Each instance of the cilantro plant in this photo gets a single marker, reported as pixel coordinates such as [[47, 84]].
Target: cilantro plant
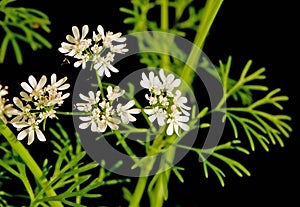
[[151, 118]]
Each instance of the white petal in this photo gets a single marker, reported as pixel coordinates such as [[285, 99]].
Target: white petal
[[94, 127], [53, 78], [84, 125], [125, 119], [40, 135], [176, 129], [160, 121], [85, 118], [92, 95], [129, 104], [107, 73], [184, 119], [83, 97], [30, 137], [22, 135], [145, 82], [134, 111], [26, 87], [170, 78], [18, 102], [100, 30], [76, 33], [64, 87], [149, 111], [170, 129], [183, 126], [112, 68], [176, 82], [131, 118], [71, 39], [162, 75], [42, 82], [152, 118], [85, 30], [32, 81], [19, 125]]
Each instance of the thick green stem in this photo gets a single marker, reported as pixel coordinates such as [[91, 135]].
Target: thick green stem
[[210, 9], [158, 195], [139, 191], [164, 25], [146, 167], [28, 160]]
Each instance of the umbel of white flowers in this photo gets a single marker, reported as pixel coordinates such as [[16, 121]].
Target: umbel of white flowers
[[100, 49], [37, 103], [103, 113], [166, 105]]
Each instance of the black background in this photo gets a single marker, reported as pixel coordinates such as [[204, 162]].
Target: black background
[[263, 31]]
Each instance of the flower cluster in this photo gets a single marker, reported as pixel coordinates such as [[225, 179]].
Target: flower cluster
[[6, 109], [165, 105], [100, 49], [103, 112], [37, 103]]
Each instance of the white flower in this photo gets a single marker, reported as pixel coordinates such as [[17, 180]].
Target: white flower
[[156, 114], [96, 48], [169, 82], [58, 85], [180, 102], [152, 99], [84, 58], [31, 130], [109, 37], [40, 103], [103, 65], [92, 120], [114, 93], [78, 44], [24, 113], [35, 89], [111, 122], [151, 83], [125, 112], [119, 49], [100, 114], [91, 99], [175, 121]]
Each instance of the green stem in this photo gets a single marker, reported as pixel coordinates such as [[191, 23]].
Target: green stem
[[139, 190], [210, 9], [159, 194], [100, 86], [19, 148], [164, 24], [146, 168]]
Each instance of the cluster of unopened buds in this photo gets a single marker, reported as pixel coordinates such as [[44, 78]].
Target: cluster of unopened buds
[[101, 109]]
